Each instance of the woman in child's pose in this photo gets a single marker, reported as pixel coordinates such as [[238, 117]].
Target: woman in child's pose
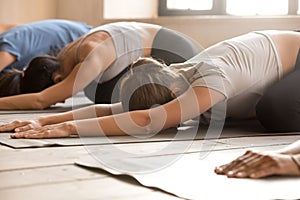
[[21, 43], [94, 63]]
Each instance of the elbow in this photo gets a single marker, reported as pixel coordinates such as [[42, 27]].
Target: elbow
[[145, 123], [40, 103], [149, 125]]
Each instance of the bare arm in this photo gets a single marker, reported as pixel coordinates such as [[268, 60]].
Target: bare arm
[[6, 59], [189, 105], [261, 164], [6, 27], [93, 111], [192, 103], [82, 74], [257, 165], [41, 100], [293, 148]]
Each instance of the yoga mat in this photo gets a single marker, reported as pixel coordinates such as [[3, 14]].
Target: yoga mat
[[185, 133], [74, 102], [192, 176], [54, 109], [75, 141]]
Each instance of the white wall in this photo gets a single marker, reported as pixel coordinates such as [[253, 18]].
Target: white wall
[[130, 9], [89, 11], [207, 30], [23, 11], [211, 29]]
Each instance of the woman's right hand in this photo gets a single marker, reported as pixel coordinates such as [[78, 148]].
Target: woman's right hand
[[20, 126], [257, 165]]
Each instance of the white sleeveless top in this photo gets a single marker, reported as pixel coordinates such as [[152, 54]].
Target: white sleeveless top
[[127, 43], [240, 68]]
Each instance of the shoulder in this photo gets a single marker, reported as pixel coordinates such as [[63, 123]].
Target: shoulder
[[69, 24]]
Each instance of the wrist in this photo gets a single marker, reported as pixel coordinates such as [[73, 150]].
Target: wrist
[[42, 121], [296, 161], [71, 127]]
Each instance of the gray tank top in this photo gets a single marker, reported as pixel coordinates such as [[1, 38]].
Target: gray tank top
[[128, 46], [240, 68]]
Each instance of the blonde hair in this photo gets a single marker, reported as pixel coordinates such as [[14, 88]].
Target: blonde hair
[[149, 83]]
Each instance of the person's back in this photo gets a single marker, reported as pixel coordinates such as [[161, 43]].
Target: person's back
[[102, 56], [6, 27], [242, 68], [27, 41], [288, 44]]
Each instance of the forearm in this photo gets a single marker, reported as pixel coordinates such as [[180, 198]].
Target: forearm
[[142, 121], [293, 148], [55, 119], [93, 111], [21, 102], [296, 160], [6, 27], [128, 123], [121, 124], [6, 59]]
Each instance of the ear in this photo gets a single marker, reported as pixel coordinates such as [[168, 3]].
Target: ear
[[57, 78]]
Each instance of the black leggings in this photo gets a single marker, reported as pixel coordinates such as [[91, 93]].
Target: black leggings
[[279, 108], [168, 46]]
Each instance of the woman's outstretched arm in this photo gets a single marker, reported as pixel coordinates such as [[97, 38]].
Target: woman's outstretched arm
[[41, 100], [294, 148], [6, 59], [6, 27], [252, 164], [76, 81], [93, 111], [81, 75], [258, 164], [192, 103]]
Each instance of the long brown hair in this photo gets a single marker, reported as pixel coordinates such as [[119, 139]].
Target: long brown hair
[[10, 82], [37, 76]]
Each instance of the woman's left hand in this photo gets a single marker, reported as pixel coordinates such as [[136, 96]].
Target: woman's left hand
[[65, 129], [20, 125], [258, 165]]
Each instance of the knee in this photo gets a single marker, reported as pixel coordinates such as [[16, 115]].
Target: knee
[[268, 105], [270, 112], [278, 113]]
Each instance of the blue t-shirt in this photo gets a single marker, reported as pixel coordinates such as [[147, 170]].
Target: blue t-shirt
[[43, 37]]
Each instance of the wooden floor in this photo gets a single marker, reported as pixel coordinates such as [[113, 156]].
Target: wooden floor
[[50, 172]]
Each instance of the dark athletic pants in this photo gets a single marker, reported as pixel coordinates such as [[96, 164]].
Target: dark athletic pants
[[279, 108], [168, 46]]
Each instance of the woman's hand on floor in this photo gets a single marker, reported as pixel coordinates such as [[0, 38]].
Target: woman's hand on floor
[[20, 126], [65, 129], [258, 165]]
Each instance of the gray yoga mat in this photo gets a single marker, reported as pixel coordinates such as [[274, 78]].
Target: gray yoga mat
[[191, 176], [75, 102], [187, 132]]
